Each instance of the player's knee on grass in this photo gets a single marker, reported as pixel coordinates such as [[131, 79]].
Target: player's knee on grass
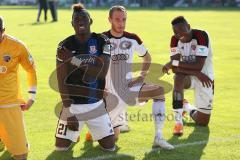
[[107, 143], [62, 144], [200, 118], [20, 157]]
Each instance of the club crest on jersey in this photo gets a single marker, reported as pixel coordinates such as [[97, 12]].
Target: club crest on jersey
[[93, 49], [6, 58], [124, 45], [193, 47], [3, 69]]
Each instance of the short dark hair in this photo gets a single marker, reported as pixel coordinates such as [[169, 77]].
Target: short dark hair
[[78, 8], [179, 19], [116, 8], [1, 23]]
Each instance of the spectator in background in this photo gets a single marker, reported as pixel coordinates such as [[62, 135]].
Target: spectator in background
[[42, 5], [53, 8], [75, 1]]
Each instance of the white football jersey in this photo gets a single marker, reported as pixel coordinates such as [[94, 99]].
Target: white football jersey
[[199, 46], [120, 68]]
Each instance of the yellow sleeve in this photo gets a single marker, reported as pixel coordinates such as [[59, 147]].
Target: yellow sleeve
[[27, 62]]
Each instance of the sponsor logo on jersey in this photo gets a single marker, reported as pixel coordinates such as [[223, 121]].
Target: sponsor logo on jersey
[[191, 58], [201, 50], [118, 57], [6, 58], [77, 61], [93, 49]]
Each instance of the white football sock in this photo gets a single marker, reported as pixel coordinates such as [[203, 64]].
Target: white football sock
[[158, 111], [178, 115], [188, 107]]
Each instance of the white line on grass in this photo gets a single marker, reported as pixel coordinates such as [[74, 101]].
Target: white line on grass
[[218, 139], [108, 157]]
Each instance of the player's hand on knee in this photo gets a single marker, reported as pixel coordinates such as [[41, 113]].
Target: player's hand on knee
[[206, 81], [136, 80], [64, 53], [72, 123], [27, 106], [166, 68]]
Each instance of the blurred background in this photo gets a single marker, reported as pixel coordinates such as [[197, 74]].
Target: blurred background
[[134, 3]]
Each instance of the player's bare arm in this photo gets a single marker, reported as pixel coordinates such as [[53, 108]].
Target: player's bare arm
[[168, 65], [197, 65], [146, 62], [206, 81]]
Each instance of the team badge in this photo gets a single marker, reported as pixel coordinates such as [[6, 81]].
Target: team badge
[[124, 45], [3, 69], [193, 47], [6, 58], [93, 49]]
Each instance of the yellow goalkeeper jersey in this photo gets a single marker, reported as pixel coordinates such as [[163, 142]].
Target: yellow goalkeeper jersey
[[12, 53]]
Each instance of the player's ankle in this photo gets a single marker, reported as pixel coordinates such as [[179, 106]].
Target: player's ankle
[[159, 135]]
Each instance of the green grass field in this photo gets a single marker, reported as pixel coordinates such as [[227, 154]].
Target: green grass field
[[221, 140]]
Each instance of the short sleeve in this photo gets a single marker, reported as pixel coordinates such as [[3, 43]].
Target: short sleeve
[[202, 43], [139, 47], [59, 47], [174, 46], [105, 45]]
